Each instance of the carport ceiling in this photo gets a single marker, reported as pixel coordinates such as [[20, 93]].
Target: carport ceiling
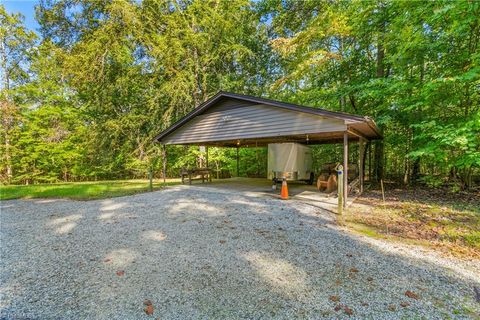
[[231, 120]]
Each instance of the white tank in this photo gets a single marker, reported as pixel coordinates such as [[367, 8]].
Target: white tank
[[290, 160]]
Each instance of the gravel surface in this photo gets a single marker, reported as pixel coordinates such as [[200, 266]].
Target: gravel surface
[[201, 252]]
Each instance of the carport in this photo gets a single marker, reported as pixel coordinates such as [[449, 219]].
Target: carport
[[235, 120]]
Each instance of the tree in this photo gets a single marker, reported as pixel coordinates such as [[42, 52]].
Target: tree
[[86, 101], [413, 66], [15, 44], [52, 128]]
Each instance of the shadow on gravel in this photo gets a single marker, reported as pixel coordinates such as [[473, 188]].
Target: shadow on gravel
[[200, 252]]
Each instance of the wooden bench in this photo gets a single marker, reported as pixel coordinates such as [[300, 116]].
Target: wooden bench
[[196, 174]]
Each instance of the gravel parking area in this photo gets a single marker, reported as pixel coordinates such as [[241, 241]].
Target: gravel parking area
[[201, 252]]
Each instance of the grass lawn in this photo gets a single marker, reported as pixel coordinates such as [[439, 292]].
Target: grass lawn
[[81, 190], [436, 218]]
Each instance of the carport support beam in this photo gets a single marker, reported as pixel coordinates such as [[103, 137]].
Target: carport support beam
[[370, 162], [345, 168], [164, 170], [206, 156], [361, 160]]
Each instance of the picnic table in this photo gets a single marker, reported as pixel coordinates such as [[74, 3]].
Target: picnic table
[[196, 174]]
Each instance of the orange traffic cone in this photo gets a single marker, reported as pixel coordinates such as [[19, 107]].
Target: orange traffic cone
[[284, 192]]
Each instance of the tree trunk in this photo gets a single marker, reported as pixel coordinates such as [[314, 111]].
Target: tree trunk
[[378, 158], [416, 170], [364, 157], [196, 76], [7, 110], [406, 171], [258, 163], [380, 73]]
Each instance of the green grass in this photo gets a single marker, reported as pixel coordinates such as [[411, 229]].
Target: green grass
[[80, 190]]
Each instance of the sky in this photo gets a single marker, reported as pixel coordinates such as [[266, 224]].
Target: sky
[[26, 8]]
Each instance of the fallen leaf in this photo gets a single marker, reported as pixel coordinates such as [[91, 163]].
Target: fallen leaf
[[354, 270], [404, 304], [338, 307], [412, 295], [120, 273], [147, 302], [107, 260], [222, 241], [348, 310], [392, 307], [334, 298], [149, 310]]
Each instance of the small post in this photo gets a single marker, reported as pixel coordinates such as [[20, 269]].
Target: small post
[[383, 190], [164, 173], [150, 177], [340, 193]]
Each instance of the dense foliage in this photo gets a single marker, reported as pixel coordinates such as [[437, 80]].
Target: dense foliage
[[83, 99]]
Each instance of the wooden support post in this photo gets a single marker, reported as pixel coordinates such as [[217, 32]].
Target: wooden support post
[[370, 162], [238, 164], [383, 190], [360, 168], [345, 168], [206, 156], [164, 156]]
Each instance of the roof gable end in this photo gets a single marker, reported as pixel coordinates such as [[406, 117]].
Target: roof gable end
[[227, 100]]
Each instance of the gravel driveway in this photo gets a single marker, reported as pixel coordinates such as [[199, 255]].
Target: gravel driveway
[[207, 252]]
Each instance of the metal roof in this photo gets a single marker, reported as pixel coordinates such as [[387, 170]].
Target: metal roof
[[348, 118]]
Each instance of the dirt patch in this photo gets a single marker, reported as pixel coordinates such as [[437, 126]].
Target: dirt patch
[[434, 217]]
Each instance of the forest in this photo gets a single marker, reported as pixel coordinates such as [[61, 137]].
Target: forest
[[83, 96]]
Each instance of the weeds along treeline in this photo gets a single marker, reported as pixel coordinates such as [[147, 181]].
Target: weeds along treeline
[[83, 96]]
